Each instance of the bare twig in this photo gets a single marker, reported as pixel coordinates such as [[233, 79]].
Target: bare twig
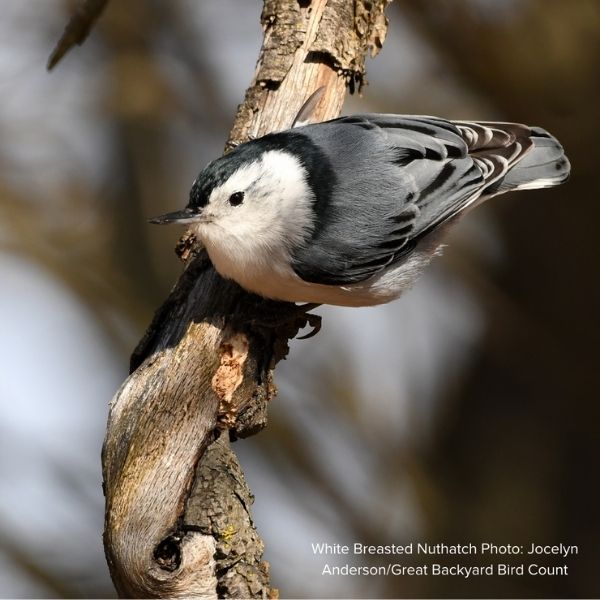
[[78, 28]]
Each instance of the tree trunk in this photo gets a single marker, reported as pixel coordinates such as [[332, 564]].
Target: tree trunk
[[177, 517]]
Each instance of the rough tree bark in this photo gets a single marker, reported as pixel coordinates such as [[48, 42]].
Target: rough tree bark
[[177, 506]]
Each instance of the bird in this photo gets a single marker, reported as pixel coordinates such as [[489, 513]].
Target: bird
[[350, 211]]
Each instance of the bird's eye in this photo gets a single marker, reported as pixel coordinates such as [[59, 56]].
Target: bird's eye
[[236, 198]]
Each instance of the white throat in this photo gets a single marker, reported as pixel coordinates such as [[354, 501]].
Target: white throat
[[252, 243]]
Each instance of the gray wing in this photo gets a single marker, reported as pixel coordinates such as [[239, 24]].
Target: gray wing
[[384, 181]]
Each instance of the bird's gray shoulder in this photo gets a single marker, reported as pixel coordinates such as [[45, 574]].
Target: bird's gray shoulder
[[395, 176]]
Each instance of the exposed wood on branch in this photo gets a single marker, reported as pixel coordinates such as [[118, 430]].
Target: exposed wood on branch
[[300, 54], [177, 506]]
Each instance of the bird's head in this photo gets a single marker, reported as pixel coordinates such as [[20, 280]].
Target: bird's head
[[253, 195]]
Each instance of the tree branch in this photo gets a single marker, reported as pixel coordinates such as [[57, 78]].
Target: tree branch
[[177, 507], [78, 28]]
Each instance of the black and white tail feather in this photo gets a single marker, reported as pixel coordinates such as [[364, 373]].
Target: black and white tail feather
[[509, 156], [513, 156]]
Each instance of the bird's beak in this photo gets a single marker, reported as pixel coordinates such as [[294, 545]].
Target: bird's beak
[[184, 217]]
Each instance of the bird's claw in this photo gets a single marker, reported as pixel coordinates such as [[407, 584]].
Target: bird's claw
[[292, 319], [315, 321]]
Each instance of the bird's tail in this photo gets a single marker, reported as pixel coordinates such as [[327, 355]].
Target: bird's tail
[[544, 165], [512, 156]]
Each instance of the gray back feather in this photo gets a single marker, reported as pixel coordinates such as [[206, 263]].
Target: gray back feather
[[399, 177]]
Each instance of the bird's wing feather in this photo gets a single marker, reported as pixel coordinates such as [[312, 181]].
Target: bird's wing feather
[[396, 179], [305, 114]]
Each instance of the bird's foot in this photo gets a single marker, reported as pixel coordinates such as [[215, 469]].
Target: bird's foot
[[276, 323], [289, 318]]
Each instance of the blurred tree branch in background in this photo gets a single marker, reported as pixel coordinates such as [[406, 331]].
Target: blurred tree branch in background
[[77, 29]]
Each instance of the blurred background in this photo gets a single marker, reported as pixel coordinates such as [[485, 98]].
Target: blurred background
[[465, 412]]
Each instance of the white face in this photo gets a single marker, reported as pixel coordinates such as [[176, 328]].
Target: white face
[[265, 206]]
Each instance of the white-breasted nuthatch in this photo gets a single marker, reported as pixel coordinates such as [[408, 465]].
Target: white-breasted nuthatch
[[350, 211]]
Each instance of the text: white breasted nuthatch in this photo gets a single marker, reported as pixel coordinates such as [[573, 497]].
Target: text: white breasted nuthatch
[[350, 211]]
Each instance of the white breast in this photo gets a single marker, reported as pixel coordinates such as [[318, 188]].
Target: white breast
[[273, 278]]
